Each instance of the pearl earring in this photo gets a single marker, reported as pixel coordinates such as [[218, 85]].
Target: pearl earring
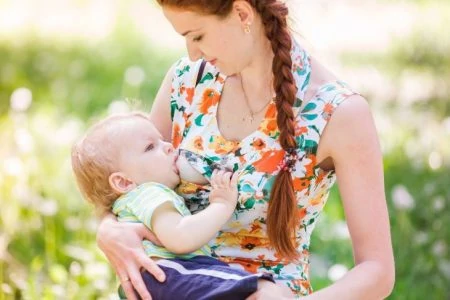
[[247, 28]]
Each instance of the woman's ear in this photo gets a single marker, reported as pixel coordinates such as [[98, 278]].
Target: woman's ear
[[120, 183], [244, 11]]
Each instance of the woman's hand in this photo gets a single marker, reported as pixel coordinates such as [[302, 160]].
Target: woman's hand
[[122, 245]]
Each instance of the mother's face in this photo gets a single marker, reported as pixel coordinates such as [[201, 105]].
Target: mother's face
[[222, 42]]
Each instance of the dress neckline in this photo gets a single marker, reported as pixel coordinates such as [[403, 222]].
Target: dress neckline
[[301, 69]]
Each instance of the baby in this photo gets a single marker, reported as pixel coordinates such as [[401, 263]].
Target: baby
[[124, 166]]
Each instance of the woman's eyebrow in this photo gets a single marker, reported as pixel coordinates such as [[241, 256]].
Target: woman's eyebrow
[[189, 31]]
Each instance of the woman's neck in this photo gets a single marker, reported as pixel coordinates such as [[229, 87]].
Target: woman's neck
[[257, 76]]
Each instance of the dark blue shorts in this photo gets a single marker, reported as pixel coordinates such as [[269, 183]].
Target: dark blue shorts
[[201, 278]]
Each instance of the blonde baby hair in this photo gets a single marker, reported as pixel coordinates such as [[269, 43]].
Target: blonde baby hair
[[93, 161]]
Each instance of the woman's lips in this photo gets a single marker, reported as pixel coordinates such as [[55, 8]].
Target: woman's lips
[[213, 62]]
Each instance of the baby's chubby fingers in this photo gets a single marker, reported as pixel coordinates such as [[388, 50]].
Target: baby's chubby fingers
[[216, 177], [234, 180], [226, 178]]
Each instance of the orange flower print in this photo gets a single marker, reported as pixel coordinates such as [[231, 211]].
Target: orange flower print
[[310, 167], [229, 239], [258, 144], [250, 242], [210, 98], [320, 177], [186, 118], [327, 111], [300, 184], [176, 135], [304, 284], [249, 266], [317, 199], [188, 123], [269, 161], [301, 130], [198, 143], [256, 228], [220, 145], [269, 127], [190, 95], [271, 111], [301, 213], [261, 257]]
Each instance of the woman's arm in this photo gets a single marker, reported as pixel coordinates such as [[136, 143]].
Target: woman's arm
[[122, 242], [186, 234], [160, 112], [350, 139]]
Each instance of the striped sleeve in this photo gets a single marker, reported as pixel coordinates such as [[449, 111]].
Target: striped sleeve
[[144, 202]]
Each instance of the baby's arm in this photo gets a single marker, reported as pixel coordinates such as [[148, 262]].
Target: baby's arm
[[180, 234]]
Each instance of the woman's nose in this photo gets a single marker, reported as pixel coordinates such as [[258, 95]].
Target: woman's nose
[[193, 51]]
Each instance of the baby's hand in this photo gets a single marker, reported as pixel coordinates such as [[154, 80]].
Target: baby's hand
[[224, 188]]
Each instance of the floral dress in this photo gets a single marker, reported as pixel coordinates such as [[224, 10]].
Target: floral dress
[[243, 241]]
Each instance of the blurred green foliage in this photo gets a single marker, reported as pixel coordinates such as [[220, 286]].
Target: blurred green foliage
[[47, 237], [81, 78]]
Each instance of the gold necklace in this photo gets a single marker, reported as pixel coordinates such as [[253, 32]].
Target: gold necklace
[[252, 113]]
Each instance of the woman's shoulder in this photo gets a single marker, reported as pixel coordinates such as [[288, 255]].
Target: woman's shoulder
[[351, 123]]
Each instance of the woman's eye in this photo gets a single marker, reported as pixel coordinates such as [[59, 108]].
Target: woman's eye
[[149, 147], [198, 38]]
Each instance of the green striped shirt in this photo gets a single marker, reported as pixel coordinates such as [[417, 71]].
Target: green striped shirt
[[139, 204]]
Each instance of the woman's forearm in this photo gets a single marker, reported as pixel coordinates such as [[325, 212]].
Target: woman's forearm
[[368, 280]]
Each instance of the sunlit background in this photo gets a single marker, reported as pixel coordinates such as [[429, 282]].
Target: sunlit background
[[65, 63]]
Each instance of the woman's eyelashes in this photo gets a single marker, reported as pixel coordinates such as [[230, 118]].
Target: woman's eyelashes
[[197, 38]]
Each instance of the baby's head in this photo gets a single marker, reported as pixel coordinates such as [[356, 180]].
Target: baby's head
[[119, 153]]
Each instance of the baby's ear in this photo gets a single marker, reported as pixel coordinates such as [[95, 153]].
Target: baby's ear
[[120, 183]]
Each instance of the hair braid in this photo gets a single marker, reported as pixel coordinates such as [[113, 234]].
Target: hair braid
[[282, 211]]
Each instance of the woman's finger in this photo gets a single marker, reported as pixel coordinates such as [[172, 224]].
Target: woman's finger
[[152, 267], [127, 287], [147, 234], [139, 286]]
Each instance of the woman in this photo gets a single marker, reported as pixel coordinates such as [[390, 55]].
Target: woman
[[262, 107]]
